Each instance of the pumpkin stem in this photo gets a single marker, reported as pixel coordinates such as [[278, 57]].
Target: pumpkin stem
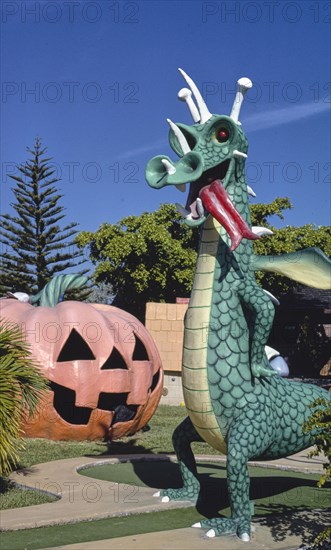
[[50, 295]]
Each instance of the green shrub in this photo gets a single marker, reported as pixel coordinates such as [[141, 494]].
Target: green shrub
[[319, 425], [21, 387]]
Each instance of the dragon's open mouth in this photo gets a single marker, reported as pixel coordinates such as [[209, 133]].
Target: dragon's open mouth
[[207, 195]]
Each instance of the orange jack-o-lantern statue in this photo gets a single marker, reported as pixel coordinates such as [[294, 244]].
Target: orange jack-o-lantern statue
[[104, 369]]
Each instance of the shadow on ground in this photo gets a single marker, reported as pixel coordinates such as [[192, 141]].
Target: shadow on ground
[[294, 517], [121, 448], [284, 521]]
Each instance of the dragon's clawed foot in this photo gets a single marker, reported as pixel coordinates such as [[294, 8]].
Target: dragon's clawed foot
[[223, 526], [190, 493], [259, 370]]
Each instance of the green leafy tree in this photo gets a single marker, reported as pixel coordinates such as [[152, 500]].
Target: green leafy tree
[[144, 258], [319, 425], [21, 388], [34, 246], [152, 257]]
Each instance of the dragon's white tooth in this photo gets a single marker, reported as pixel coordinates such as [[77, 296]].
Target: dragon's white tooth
[[168, 166], [239, 154], [271, 353], [272, 297], [250, 191], [186, 95], [181, 187], [204, 111], [199, 207], [182, 210], [180, 136], [260, 231]]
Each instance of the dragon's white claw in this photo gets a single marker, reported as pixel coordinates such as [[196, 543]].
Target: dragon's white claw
[[245, 537], [198, 525], [211, 533], [272, 297], [157, 494], [165, 499]]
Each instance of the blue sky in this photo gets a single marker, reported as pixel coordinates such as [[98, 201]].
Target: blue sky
[[97, 80]]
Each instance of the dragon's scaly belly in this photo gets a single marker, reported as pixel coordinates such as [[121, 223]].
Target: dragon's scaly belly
[[194, 369]]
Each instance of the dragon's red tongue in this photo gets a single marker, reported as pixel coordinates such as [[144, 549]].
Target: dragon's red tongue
[[219, 205]]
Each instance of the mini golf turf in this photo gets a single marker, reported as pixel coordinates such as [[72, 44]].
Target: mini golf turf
[[279, 496], [269, 487]]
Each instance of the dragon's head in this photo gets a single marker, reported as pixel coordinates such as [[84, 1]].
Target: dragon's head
[[211, 152]]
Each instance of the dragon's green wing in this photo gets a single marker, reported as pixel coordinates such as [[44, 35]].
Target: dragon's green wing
[[309, 266]]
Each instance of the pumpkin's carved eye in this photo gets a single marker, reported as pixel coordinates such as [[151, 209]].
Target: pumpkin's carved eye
[[75, 348]]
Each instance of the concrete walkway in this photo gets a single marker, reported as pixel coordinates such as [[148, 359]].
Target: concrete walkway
[[81, 498]]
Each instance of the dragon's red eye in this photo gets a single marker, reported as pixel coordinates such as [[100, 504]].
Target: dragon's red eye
[[222, 135]]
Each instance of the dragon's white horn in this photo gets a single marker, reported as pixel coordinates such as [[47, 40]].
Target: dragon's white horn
[[180, 136], [186, 95], [244, 84], [203, 109]]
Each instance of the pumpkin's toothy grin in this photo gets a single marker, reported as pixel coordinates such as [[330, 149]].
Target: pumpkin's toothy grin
[[64, 404]]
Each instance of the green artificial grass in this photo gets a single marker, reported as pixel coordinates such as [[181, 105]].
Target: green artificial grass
[[278, 495], [274, 492], [47, 537], [268, 485]]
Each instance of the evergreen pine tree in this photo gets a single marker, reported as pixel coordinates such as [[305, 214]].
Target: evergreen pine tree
[[34, 246]]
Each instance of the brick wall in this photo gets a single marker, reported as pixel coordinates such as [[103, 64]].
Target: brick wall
[[165, 322]]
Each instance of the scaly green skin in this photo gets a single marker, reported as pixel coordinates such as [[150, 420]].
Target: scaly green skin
[[234, 399]]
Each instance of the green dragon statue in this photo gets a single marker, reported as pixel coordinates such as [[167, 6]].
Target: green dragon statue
[[235, 401]]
